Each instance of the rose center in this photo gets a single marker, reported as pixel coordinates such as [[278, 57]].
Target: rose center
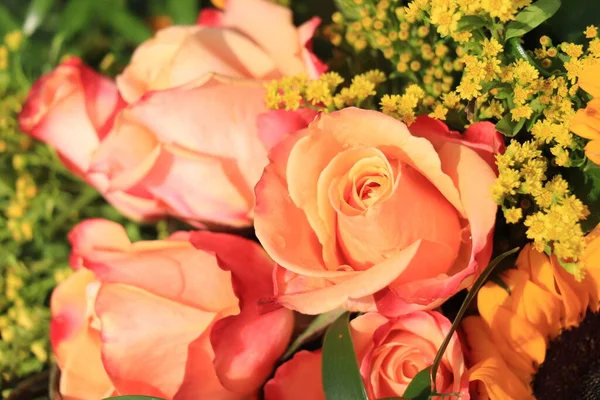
[[571, 369]]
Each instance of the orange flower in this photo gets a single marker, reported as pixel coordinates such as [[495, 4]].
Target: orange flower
[[586, 122], [519, 323]]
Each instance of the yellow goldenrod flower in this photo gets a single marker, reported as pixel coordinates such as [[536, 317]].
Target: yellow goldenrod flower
[[513, 215], [591, 32], [13, 40]]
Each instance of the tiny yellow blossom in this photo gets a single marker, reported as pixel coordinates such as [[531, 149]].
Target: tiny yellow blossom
[[591, 32], [13, 40], [513, 215]]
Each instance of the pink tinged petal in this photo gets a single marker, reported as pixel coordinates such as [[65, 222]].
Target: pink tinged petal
[[136, 208], [247, 345], [274, 125], [174, 180], [279, 38], [282, 228], [68, 306], [481, 137], [210, 17], [231, 136], [473, 177], [149, 59], [145, 339], [362, 329], [75, 344], [93, 235], [297, 379], [349, 125], [414, 210], [306, 31], [355, 286], [201, 381], [221, 51], [67, 118]]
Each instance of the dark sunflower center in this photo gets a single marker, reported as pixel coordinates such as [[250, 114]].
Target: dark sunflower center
[[572, 366]]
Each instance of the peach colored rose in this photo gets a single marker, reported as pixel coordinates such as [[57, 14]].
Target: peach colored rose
[[360, 212], [390, 352], [72, 109], [163, 318], [236, 43], [194, 148]]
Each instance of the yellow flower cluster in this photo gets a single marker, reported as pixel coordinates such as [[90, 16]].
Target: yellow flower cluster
[[291, 93], [403, 106], [416, 50], [555, 214]]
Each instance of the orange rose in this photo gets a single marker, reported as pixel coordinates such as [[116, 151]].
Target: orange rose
[[162, 318], [194, 148], [236, 43], [72, 109], [361, 213], [390, 352]]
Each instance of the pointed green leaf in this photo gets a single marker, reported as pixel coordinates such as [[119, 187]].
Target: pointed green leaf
[[183, 12], [124, 23], [317, 325], [470, 22], [341, 376], [586, 186], [505, 126], [75, 16], [531, 17], [7, 21], [348, 8], [420, 386], [37, 11]]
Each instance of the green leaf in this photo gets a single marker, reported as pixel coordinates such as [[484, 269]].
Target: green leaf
[[133, 398], [8, 22], [348, 8], [586, 186], [124, 23], [471, 22], [341, 376], [531, 17], [420, 386], [505, 126], [317, 325], [37, 11], [183, 12], [481, 279], [75, 16]]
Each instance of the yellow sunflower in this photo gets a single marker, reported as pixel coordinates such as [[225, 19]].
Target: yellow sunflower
[[538, 334]]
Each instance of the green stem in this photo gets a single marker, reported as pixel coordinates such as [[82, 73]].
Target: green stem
[[463, 309], [86, 197]]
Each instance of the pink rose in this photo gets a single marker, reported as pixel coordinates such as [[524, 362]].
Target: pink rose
[[194, 148], [163, 318], [361, 213], [236, 43], [73, 109], [390, 352]]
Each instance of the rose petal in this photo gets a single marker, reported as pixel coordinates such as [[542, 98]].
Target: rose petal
[[297, 379], [145, 339]]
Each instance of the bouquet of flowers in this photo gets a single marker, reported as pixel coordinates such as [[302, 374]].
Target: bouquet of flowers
[[399, 203]]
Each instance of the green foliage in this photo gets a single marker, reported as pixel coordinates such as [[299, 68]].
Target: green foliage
[[318, 325], [531, 17], [341, 377], [586, 186]]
